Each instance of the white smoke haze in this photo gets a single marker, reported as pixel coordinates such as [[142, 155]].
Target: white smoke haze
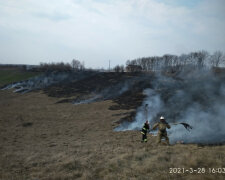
[[208, 127], [154, 105], [107, 93], [44, 80], [47, 79], [196, 98], [88, 100], [37, 82]]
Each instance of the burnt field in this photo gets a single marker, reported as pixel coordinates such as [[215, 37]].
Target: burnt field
[[66, 130], [124, 88]]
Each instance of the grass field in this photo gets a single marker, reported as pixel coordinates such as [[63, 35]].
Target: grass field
[[44, 140], [10, 76]]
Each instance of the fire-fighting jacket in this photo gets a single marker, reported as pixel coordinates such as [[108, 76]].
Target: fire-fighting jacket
[[162, 127], [145, 128]]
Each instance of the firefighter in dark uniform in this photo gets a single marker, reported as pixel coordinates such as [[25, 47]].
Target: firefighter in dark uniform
[[144, 131]]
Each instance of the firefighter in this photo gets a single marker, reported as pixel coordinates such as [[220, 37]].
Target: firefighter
[[162, 125], [144, 131]]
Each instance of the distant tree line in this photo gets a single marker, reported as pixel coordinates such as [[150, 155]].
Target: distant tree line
[[12, 67], [200, 59], [75, 65], [55, 67], [168, 62]]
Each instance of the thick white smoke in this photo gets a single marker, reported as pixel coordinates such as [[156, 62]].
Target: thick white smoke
[[144, 113], [208, 127], [208, 123], [197, 98]]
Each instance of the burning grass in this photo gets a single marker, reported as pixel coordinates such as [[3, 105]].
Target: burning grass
[[78, 142]]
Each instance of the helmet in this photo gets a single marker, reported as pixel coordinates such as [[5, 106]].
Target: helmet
[[162, 118]]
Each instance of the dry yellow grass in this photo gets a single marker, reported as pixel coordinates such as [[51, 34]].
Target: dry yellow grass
[[40, 139]]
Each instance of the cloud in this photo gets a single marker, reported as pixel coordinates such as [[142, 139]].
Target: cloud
[[56, 16], [96, 31]]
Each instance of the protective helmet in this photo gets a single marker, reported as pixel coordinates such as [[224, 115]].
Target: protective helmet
[[162, 118]]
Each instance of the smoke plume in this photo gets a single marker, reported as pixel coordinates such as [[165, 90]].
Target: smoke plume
[[107, 92], [195, 97], [45, 80]]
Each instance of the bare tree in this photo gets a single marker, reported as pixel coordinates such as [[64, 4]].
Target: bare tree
[[223, 59], [133, 68], [201, 58], [217, 59], [77, 65], [119, 68]]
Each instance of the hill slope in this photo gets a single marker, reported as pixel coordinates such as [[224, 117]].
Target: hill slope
[[9, 76], [42, 139]]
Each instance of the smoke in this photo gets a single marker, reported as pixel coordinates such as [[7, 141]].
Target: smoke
[[37, 82], [88, 100], [208, 126], [106, 93], [195, 97], [143, 113], [46, 79]]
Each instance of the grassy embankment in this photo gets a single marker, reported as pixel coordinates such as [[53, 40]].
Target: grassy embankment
[[44, 140], [10, 76]]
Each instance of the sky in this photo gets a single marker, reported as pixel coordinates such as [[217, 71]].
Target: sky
[[96, 31]]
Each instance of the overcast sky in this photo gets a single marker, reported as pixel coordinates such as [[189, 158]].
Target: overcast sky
[[34, 31]]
